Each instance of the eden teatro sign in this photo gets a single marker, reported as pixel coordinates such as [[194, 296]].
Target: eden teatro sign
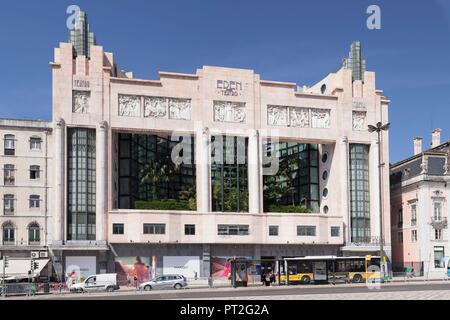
[[81, 84], [229, 88]]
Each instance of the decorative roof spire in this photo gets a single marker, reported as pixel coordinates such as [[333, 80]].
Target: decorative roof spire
[[355, 62], [81, 37]]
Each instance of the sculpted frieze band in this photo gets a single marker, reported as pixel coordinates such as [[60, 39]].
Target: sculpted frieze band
[[155, 107], [298, 117]]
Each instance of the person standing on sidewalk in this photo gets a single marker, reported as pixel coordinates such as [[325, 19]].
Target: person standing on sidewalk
[[128, 280], [135, 281]]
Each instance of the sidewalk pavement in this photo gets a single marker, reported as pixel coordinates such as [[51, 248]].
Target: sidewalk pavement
[[202, 285]]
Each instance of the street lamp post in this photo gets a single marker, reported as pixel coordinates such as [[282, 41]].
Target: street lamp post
[[378, 128]]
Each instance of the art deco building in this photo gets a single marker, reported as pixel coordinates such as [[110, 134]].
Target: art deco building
[[184, 171]]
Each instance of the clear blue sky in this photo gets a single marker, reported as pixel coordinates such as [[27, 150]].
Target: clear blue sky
[[297, 41]]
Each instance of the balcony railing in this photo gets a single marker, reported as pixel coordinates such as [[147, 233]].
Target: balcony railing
[[439, 223], [9, 181], [364, 242], [10, 152], [9, 242], [8, 212]]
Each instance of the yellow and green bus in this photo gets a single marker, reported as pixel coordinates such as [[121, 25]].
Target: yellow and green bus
[[318, 269]]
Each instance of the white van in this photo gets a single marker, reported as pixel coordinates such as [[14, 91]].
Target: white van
[[97, 282]]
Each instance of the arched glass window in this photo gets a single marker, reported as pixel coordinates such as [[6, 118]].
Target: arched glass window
[[10, 144], [8, 233], [34, 233]]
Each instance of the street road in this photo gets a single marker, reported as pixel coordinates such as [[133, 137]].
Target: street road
[[402, 291]]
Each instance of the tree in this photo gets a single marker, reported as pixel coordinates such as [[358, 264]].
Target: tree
[[289, 167], [157, 171]]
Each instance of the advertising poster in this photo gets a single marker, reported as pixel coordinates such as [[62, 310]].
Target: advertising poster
[[77, 266], [131, 266], [187, 266], [221, 266]]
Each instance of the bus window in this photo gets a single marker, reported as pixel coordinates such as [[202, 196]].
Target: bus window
[[304, 267], [292, 268]]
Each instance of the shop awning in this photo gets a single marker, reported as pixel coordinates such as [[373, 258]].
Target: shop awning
[[18, 268]]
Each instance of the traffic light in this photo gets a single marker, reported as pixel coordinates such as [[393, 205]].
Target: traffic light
[[6, 261]]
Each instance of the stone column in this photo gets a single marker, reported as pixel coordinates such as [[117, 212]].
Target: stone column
[[204, 190], [205, 270], [253, 172], [374, 181], [58, 220], [101, 168], [345, 194]]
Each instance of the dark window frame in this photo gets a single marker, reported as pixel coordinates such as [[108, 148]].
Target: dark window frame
[[118, 228]]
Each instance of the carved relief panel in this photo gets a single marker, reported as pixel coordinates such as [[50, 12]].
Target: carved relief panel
[[155, 107], [80, 101], [320, 118], [180, 109], [299, 117], [359, 120], [227, 111], [129, 106], [277, 116]]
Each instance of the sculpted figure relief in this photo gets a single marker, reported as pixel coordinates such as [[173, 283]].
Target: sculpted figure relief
[[359, 120], [80, 103], [129, 106], [155, 107], [299, 117], [277, 116], [320, 118], [180, 109], [226, 111]]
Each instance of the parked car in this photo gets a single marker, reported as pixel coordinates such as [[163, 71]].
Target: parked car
[[168, 281], [97, 282]]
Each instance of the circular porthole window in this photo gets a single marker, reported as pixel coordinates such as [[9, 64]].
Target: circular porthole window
[[324, 157], [325, 192], [325, 209], [323, 88], [325, 175]]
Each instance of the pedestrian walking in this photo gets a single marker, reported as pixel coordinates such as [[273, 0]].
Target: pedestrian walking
[[267, 280], [263, 278], [135, 281], [272, 278], [128, 280]]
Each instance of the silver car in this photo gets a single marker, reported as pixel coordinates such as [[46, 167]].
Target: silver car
[[168, 281]]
